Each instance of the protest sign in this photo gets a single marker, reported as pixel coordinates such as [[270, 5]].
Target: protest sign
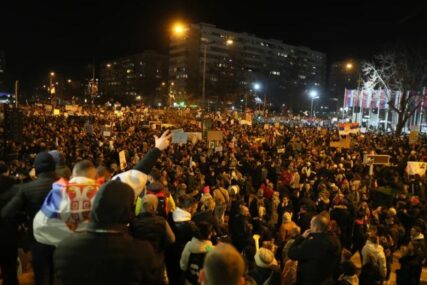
[[56, 112], [215, 136], [413, 137], [179, 137], [416, 167], [122, 160], [342, 143], [194, 137]]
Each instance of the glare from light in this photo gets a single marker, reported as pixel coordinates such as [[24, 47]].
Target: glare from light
[[69, 80], [349, 65], [52, 74], [179, 29], [257, 86], [108, 65], [313, 94], [229, 42]]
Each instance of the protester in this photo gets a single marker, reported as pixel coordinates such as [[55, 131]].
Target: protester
[[223, 265], [312, 249], [8, 230], [195, 251], [106, 254], [29, 200]]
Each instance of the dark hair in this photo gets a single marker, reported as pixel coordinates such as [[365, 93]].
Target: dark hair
[[186, 201], [203, 232]]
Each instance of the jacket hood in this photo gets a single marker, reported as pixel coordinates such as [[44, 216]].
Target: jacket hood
[[199, 246], [112, 205], [180, 215]]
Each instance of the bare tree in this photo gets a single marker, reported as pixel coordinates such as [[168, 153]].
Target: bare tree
[[404, 72]]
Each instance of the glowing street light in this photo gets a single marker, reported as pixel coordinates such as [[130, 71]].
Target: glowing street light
[[69, 80], [257, 86], [108, 65], [52, 74], [179, 29], [229, 42], [349, 66], [313, 95]]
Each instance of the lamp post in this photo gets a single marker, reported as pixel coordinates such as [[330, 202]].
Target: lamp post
[[313, 96]]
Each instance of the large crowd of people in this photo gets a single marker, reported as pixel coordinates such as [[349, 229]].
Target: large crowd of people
[[265, 203]]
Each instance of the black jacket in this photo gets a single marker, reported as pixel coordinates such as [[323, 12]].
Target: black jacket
[[29, 199], [151, 228], [8, 228], [318, 257]]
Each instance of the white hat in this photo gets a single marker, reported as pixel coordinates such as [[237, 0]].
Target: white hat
[[264, 258]]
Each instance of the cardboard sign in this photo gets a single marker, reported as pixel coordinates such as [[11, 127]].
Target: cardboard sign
[[280, 150], [179, 137], [194, 137], [56, 112], [416, 167], [376, 159], [413, 137], [122, 160], [218, 149], [106, 133], [348, 128], [215, 136], [342, 143], [245, 122], [72, 108]]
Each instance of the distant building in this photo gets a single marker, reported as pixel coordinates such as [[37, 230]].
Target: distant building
[[141, 76], [235, 61], [2, 71]]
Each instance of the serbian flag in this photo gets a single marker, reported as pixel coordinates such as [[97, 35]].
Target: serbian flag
[[383, 100], [66, 209]]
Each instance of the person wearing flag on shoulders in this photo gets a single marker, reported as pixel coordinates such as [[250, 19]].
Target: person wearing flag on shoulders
[[67, 207]]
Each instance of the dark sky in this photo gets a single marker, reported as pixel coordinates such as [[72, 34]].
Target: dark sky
[[39, 36]]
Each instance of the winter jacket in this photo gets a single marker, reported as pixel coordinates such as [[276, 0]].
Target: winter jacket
[[8, 228], [377, 251], [317, 256], [29, 199], [154, 229], [410, 270], [194, 246]]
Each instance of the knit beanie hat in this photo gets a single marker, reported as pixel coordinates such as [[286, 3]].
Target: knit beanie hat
[[44, 162], [264, 258]]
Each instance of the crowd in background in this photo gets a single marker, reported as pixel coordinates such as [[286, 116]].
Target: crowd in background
[[294, 209]]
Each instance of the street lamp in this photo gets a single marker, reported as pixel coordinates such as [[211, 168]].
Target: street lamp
[[349, 66], [313, 95], [69, 81]]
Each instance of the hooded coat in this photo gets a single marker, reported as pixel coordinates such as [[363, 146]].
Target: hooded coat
[[106, 253]]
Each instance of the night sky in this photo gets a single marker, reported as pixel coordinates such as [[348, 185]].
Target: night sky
[[66, 36]]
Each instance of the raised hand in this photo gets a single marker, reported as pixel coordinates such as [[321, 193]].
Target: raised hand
[[163, 142]]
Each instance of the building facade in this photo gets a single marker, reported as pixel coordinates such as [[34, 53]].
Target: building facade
[[235, 61], [138, 77], [342, 75]]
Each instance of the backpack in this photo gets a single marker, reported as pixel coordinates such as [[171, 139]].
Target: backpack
[[162, 207], [195, 264]]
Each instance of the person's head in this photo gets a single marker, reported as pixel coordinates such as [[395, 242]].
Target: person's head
[[287, 217], [4, 169], [415, 231], [103, 172], [44, 163], [223, 265], [244, 211], [295, 232], [319, 224], [84, 168], [113, 204], [187, 203], [208, 204], [203, 231], [150, 203]]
